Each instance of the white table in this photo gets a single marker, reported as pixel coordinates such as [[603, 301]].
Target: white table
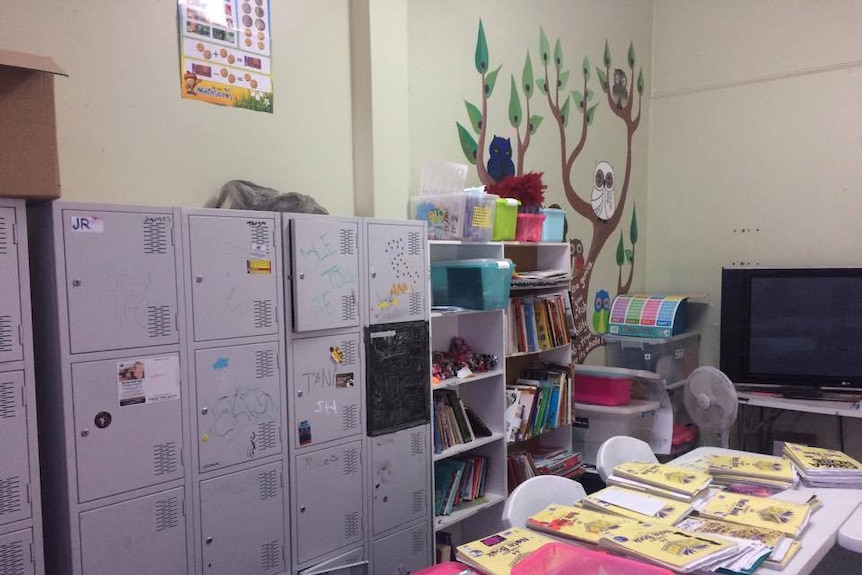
[[839, 505]]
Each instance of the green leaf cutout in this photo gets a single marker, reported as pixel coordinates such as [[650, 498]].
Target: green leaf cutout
[[632, 55], [590, 94], [514, 106], [468, 144], [630, 256], [641, 82], [585, 68], [561, 81], [527, 77], [621, 253], [558, 55], [540, 84], [535, 122], [591, 113], [564, 111], [481, 59], [607, 58], [544, 47], [633, 230], [578, 98], [475, 116], [603, 79], [490, 80]]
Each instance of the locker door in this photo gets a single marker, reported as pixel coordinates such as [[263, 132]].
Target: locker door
[[138, 537], [325, 273], [327, 383], [234, 275], [15, 555], [397, 272], [352, 562], [239, 402], [406, 551], [11, 348], [15, 459], [128, 432], [121, 280], [329, 500], [242, 522], [400, 466]]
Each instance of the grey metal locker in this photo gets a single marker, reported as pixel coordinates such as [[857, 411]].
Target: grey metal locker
[[403, 552], [242, 527], [121, 279], [329, 500], [15, 461], [324, 254], [397, 271], [142, 536], [11, 346], [400, 477], [327, 384], [128, 422], [352, 562], [16, 557], [238, 404], [234, 272]]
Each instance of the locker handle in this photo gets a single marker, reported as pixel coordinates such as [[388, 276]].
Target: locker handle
[[302, 509]]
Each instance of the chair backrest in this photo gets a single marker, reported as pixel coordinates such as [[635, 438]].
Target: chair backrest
[[538, 492], [621, 449]]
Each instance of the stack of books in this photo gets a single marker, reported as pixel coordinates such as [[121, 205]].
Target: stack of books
[[537, 323], [752, 470], [663, 480], [638, 505], [454, 422], [788, 518], [820, 467], [458, 480], [557, 461], [579, 524], [497, 554], [539, 401]]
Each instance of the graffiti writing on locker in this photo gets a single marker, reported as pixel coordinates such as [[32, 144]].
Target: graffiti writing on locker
[[237, 410], [316, 261], [327, 408], [127, 286], [331, 459]]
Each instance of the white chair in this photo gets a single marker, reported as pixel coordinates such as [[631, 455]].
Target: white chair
[[538, 492], [621, 449]]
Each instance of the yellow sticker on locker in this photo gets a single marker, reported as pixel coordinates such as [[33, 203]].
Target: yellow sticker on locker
[[259, 266]]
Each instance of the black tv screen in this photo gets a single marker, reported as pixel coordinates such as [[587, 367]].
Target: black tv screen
[[792, 326]]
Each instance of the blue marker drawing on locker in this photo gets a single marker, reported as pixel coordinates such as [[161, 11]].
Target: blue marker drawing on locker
[[221, 363], [335, 276]]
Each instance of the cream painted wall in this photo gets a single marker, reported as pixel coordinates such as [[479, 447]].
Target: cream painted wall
[[126, 136], [755, 145], [442, 40]]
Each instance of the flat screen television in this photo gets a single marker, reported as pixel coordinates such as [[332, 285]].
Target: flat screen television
[[792, 327]]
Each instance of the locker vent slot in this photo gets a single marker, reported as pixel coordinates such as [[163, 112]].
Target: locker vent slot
[[355, 558], [261, 234], [7, 400], [10, 495], [268, 485], [351, 461], [167, 513], [12, 558], [351, 525], [270, 556], [346, 241], [414, 244], [6, 339], [417, 502], [165, 458], [158, 320], [350, 417], [263, 313], [417, 443], [415, 304], [155, 236], [266, 435], [264, 364], [348, 353], [348, 307], [418, 541], [4, 236]]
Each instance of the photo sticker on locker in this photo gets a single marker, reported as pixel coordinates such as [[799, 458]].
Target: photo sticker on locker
[[259, 266], [148, 380], [304, 432], [88, 224], [344, 379]]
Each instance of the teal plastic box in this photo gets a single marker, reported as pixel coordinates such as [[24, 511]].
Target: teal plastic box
[[552, 227], [472, 284]]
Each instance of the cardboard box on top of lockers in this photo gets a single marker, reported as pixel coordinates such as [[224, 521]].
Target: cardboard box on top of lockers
[[29, 165]]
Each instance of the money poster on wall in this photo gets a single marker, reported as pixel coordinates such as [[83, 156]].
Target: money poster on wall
[[225, 52]]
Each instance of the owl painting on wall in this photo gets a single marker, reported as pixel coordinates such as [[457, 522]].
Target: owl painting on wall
[[603, 200], [576, 248], [602, 311], [500, 164], [620, 90]]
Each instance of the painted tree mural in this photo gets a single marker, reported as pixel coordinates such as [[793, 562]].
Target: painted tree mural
[[563, 105]]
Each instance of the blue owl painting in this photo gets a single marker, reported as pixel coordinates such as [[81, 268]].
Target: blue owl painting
[[602, 312], [500, 164]]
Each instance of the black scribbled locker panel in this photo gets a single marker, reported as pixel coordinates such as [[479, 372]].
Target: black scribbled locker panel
[[398, 375]]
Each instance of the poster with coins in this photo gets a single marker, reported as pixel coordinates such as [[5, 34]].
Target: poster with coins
[[225, 52]]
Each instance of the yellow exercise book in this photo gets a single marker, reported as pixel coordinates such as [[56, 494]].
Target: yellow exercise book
[[770, 537], [497, 554], [667, 546], [617, 500], [576, 523], [789, 518], [772, 468], [791, 552], [686, 481], [817, 459]]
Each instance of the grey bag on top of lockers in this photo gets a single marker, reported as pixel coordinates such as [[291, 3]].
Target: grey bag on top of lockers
[[244, 195]]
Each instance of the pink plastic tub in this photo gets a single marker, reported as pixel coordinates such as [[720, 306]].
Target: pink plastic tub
[[564, 559], [600, 390]]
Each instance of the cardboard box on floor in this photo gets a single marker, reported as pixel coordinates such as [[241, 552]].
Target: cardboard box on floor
[[29, 167]]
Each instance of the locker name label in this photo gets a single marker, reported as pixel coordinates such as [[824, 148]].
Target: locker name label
[[259, 266], [88, 224]]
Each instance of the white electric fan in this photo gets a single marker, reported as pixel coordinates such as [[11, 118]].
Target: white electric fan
[[710, 400]]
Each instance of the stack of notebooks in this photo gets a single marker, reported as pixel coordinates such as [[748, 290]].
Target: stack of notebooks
[[820, 467], [752, 471], [499, 553], [663, 480], [637, 505], [584, 526], [784, 516], [458, 480]]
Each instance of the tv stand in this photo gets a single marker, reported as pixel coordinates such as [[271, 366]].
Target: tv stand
[[800, 392]]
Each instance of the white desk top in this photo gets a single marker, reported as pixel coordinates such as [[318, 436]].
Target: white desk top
[[842, 408], [822, 531]]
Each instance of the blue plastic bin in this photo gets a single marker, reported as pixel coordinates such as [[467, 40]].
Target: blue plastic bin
[[472, 284], [552, 227]]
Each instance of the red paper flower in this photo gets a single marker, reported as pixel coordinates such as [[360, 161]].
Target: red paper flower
[[527, 188]]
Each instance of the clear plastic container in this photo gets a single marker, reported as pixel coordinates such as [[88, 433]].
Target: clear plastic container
[[553, 226], [443, 212], [472, 283], [529, 227], [565, 559], [594, 424], [505, 219], [672, 358], [479, 210]]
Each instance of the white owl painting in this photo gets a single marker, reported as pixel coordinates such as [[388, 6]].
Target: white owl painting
[[604, 202]]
